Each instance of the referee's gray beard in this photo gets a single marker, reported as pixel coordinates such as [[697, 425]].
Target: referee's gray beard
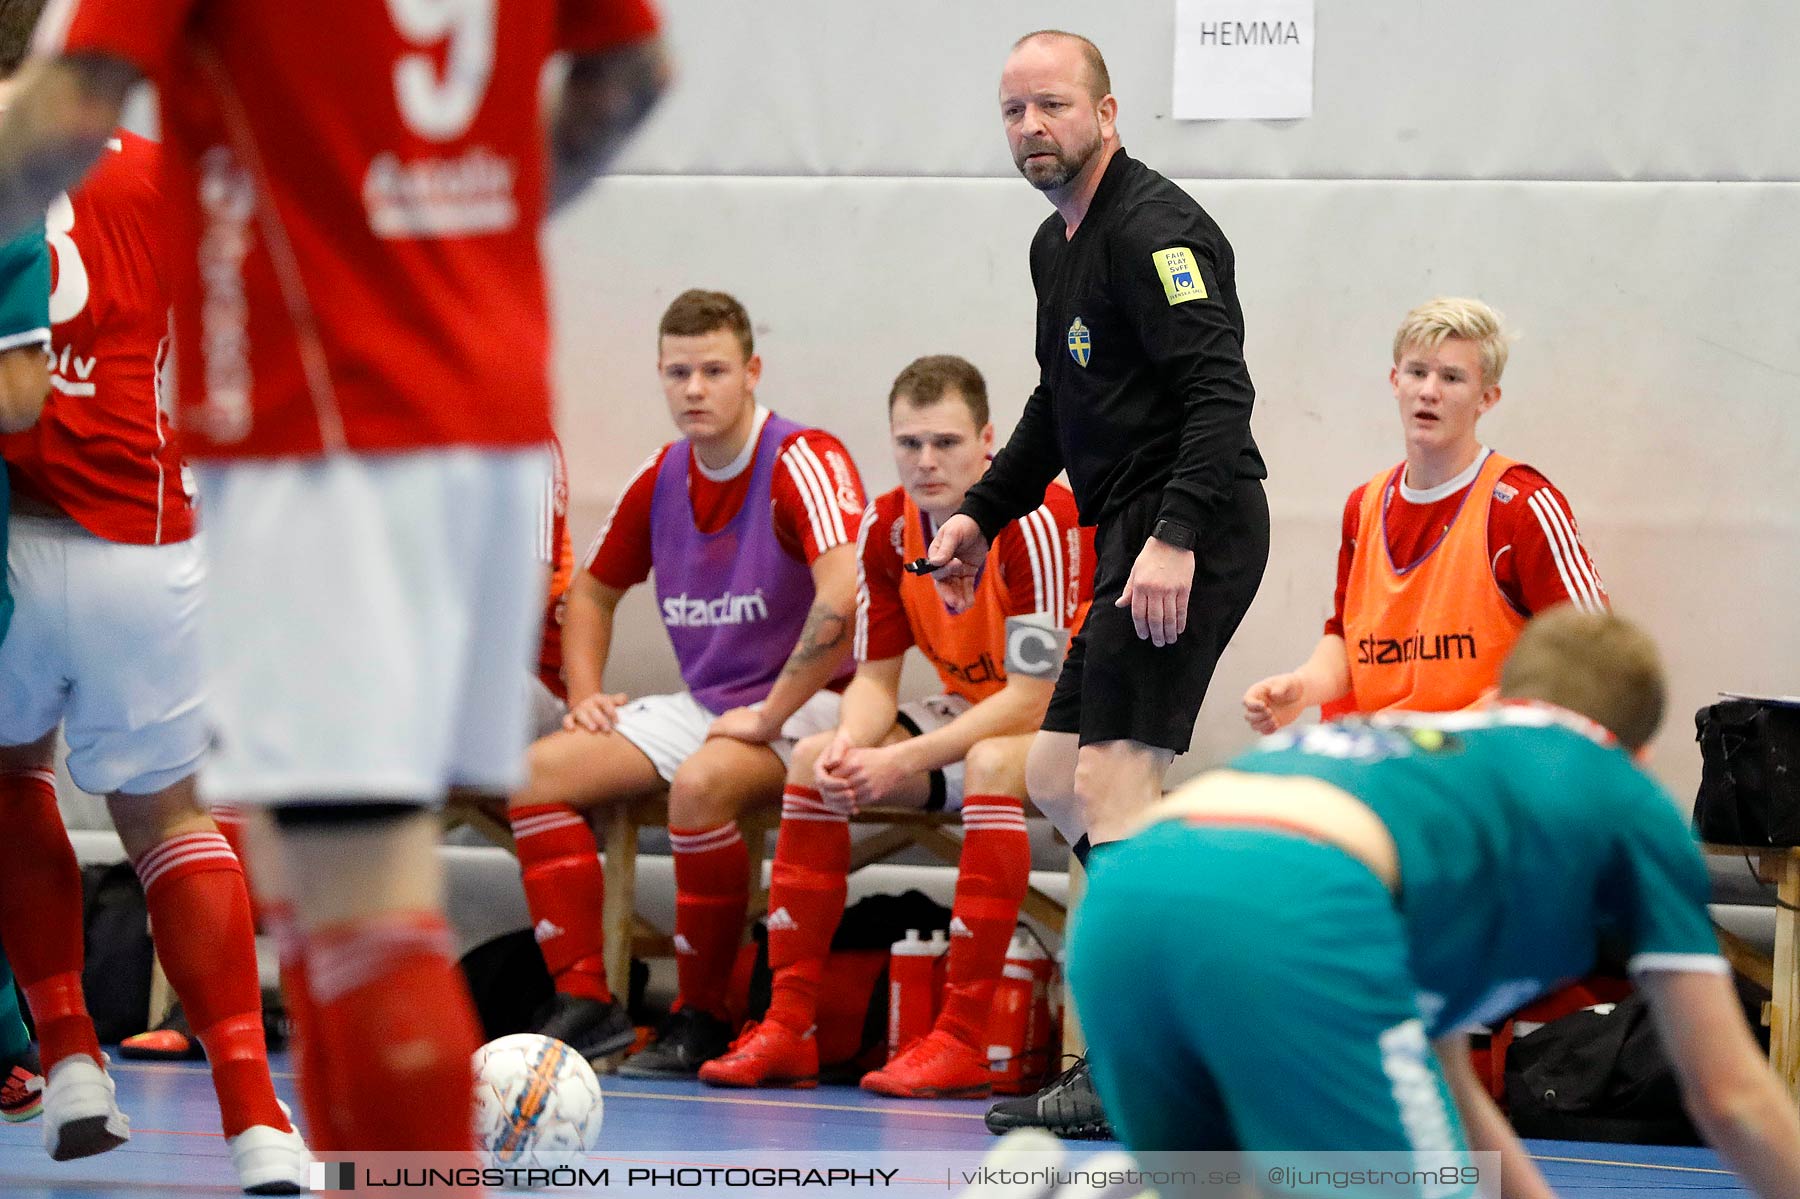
[[1068, 166]]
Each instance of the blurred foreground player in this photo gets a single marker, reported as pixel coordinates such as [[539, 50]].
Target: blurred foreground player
[[1333, 911], [963, 750], [105, 642], [362, 333], [24, 384]]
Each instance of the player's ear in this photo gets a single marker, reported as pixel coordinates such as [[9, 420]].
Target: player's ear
[[987, 438], [753, 370], [1489, 397]]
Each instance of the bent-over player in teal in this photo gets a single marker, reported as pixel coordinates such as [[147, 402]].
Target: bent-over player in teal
[[24, 384], [1329, 913]]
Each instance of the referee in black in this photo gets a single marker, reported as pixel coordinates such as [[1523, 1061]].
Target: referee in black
[[1143, 396]]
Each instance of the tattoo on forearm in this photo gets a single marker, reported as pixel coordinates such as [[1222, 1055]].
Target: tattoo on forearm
[[822, 636]]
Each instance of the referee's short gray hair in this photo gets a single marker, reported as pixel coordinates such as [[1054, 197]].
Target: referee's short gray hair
[[1432, 323]]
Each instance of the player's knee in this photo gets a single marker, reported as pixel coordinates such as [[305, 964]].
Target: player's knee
[[995, 767], [806, 757], [549, 773], [702, 795]]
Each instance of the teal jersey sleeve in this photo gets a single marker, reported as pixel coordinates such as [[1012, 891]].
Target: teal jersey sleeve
[[1658, 890], [25, 290]]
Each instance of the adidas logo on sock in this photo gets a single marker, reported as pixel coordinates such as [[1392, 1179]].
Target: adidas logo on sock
[[683, 946], [958, 928], [780, 920], [544, 930]]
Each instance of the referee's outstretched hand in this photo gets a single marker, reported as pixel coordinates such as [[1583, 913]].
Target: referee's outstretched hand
[[1157, 591], [956, 555]]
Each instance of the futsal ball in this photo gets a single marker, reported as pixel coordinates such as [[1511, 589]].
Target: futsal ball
[[537, 1103]]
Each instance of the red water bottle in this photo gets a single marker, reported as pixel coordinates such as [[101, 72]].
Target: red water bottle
[[1009, 1021], [911, 991]]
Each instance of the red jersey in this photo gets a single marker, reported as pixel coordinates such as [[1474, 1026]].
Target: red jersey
[[1534, 548], [555, 551], [103, 451], [355, 192], [816, 505], [1042, 563]]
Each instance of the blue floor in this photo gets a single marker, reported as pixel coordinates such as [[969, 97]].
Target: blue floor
[[176, 1148]]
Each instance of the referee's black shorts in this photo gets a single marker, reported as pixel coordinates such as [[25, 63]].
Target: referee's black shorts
[[1117, 686]]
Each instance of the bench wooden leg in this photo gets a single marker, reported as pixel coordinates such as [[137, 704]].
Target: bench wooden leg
[[1784, 1006], [621, 894]]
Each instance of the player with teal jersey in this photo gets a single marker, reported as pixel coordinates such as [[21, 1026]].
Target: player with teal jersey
[[24, 383], [1329, 914], [24, 368]]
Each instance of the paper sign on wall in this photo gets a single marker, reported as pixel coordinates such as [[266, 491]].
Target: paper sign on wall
[[1243, 59]]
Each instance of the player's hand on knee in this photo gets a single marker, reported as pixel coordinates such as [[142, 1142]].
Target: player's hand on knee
[[1274, 702], [1157, 591], [958, 551], [597, 713], [747, 724]]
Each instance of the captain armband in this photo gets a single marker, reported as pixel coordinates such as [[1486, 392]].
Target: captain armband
[[1035, 647]]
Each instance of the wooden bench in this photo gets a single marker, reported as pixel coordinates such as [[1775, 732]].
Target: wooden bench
[[628, 933], [1781, 972]]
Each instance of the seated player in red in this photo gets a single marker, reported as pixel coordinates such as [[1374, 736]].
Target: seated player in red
[[963, 750], [1444, 557], [749, 524]]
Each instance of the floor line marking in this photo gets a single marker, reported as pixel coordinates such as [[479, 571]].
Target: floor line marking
[[1599, 1161]]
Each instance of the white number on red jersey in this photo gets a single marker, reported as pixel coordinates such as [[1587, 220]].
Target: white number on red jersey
[[442, 108], [70, 295]]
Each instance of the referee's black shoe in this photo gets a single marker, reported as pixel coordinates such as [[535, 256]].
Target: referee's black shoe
[[1068, 1106]]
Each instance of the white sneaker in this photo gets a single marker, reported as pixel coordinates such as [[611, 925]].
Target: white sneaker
[[271, 1162], [81, 1117]]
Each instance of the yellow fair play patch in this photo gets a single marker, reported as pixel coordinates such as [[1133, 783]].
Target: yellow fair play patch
[[1180, 277]]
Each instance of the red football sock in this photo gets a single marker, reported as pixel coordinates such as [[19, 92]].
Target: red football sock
[[40, 914], [712, 895], [231, 827], [565, 888], [811, 877], [205, 938], [311, 1067], [398, 1032], [990, 883]]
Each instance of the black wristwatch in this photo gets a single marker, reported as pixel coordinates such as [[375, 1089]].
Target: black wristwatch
[[1170, 533]]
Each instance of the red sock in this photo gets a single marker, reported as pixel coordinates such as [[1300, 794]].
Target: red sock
[[990, 883], [40, 914], [398, 1032], [565, 888], [206, 940], [712, 895], [311, 1067], [806, 901], [231, 827]]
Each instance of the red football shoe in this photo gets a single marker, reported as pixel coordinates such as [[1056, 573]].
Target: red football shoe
[[936, 1066], [21, 1088], [766, 1055]]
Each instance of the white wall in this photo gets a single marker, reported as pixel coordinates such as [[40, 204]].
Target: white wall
[[1614, 177]]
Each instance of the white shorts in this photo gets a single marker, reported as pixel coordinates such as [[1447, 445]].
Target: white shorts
[[669, 728], [105, 638], [920, 716], [371, 624]]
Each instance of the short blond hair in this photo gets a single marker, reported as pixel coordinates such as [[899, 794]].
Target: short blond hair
[[1594, 663], [1436, 321]]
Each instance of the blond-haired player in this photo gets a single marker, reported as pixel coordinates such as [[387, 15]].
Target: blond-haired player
[[1443, 557]]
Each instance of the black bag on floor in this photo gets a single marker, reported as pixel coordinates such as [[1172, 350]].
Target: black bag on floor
[[116, 924], [1597, 1075], [509, 984], [1750, 773]]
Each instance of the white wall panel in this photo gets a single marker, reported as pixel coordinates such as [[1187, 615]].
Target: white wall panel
[[1535, 89], [1654, 381]]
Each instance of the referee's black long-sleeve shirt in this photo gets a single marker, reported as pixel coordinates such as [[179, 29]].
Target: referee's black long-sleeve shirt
[[1142, 383]]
